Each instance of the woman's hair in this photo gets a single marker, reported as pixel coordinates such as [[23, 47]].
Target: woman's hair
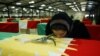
[[62, 15]]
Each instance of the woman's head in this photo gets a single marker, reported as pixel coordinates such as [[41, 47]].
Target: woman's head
[[58, 29], [60, 24]]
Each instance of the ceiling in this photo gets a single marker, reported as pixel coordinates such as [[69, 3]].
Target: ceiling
[[49, 5]]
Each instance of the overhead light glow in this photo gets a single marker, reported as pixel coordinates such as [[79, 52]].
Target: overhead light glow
[[43, 5], [74, 2], [40, 7], [16, 9], [68, 3], [93, 15], [71, 6], [31, 2], [52, 10], [4, 9], [42, 11], [31, 6], [60, 10], [74, 9], [18, 3], [78, 9], [83, 3], [24, 9], [86, 15], [13, 7], [49, 7], [90, 2], [37, 10], [31, 10], [83, 8], [76, 5], [46, 9], [27, 12], [89, 6]]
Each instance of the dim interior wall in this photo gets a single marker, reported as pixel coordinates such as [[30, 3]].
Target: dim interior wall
[[79, 16], [37, 15], [70, 12], [76, 15], [28, 14]]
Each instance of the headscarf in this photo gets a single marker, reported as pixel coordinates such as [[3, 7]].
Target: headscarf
[[62, 18]]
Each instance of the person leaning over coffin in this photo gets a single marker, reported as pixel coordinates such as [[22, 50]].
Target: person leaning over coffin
[[61, 25]]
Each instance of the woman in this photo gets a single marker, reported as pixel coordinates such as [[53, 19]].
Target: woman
[[61, 25]]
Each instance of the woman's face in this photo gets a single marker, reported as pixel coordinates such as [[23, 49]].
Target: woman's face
[[59, 33]]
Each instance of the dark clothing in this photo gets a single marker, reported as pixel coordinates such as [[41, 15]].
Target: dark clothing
[[77, 29], [48, 30]]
